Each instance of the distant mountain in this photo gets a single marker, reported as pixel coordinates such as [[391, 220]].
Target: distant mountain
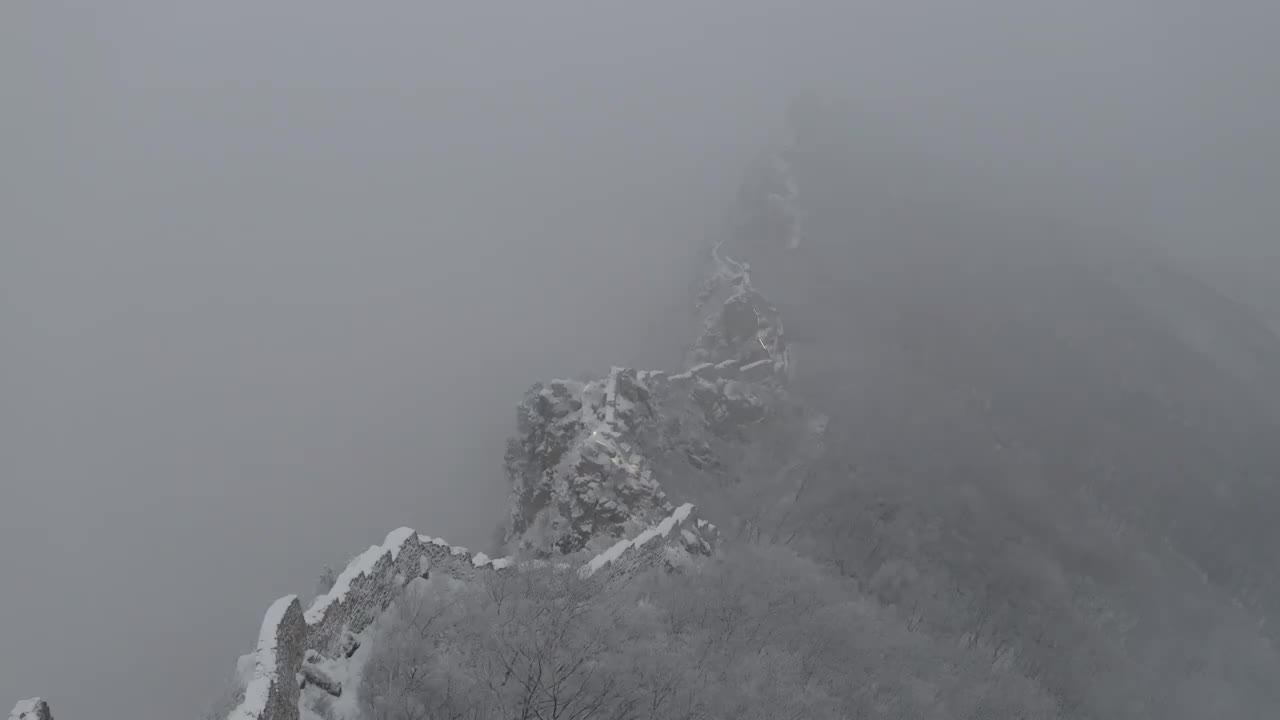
[[1056, 439]]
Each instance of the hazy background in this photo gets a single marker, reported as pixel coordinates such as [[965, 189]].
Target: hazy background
[[273, 275]]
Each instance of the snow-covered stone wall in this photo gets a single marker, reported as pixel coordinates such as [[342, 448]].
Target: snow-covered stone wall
[[674, 540], [359, 595], [373, 579], [33, 709], [272, 691]]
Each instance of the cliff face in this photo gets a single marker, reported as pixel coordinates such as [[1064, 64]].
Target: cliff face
[[586, 462]]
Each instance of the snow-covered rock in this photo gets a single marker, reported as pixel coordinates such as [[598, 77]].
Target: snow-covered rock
[[349, 644], [586, 463], [33, 709], [314, 675], [576, 469]]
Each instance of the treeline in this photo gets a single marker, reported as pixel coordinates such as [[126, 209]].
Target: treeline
[[755, 632], [1043, 579]]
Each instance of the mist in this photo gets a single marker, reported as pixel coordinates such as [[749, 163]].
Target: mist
[[272, 278]]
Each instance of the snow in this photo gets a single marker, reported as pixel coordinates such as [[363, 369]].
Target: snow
[[482, 560], [362, 564], [396, 540], [441, 542], [245, 665], [347, 672], [605, 558], [647, 377], [662, 529], [264, 670], [358, 566]]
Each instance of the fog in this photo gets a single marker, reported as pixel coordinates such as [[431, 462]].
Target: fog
[[273, 276]]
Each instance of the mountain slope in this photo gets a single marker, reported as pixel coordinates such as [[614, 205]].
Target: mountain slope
[[1054, 440]]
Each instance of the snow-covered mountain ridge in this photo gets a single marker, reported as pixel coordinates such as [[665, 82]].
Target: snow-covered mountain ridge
[[587, 466]]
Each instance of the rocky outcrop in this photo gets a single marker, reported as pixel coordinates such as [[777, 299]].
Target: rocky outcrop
[[576, 470], [585, 462], [33, 709]]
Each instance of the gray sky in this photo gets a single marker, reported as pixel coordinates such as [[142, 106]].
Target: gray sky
[[273, 275]]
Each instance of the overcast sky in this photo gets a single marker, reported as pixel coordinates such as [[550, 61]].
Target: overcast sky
[[273, 275]]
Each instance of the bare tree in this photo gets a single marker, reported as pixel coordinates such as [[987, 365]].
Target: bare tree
[[755, 633]]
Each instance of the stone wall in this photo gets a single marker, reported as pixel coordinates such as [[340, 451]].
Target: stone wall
[[33, 709], [359, 595], [374, 578], [683, 534], [272, 693]]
